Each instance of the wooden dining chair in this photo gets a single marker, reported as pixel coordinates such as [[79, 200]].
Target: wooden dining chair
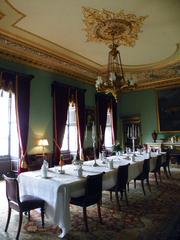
[[144, 175], [157, 169], [93, 195], [166, 165], [121, 183], [26, 203]]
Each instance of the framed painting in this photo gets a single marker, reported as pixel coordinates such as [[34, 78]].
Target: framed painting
[[90, 117], [168, 101]]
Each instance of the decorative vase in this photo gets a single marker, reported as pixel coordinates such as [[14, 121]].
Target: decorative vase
[[154, 136]]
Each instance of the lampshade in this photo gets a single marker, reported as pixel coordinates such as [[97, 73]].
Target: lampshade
[[43, 142]]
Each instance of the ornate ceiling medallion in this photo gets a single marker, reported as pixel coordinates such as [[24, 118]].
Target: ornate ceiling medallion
[[101, 25]]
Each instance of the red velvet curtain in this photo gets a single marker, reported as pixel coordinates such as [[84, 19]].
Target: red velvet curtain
[[80, 104], [20, 85], [104, 101], [101, 108], [60, 108], [114, 120], [22, 98]]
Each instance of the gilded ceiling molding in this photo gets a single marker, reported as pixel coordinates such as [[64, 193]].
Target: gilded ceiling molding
[[159, 84], [1, 15], [29, 54], [103, 25], [12, 30], [23, 53]]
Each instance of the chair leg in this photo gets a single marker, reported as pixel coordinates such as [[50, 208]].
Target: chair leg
[[99, 211], [159, 172], [156, 178], [127, 203], [121, 192], [117, 200], [149, 186], [42, 216], [128, 186], [169, 171], [134, 183], [8, 219], [111, 195], [165, 171], [142, 184], [85, 219], [20, 223]]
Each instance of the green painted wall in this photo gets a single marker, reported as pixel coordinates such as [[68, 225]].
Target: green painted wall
[[144, 104], [41, 122], [141, 103]]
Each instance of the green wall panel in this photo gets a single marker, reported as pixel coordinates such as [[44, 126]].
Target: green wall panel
[[141, 103], [41, 122], [144, 104]]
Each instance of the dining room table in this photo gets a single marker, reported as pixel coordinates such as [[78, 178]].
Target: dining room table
[[57, 188]]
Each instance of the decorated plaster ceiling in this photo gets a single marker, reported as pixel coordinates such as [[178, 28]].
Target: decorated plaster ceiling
[[51, 35]]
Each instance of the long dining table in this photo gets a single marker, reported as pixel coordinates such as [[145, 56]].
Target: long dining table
[[57, 189]]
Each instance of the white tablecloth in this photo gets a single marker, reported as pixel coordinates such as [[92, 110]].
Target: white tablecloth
[[57, 189]]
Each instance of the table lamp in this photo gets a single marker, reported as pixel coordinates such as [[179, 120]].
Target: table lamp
[[43, 142]]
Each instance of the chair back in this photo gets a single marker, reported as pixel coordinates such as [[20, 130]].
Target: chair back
[[146, 167], [158, 163], [167, 158], [93, 189], [122, 177], [12, 189]]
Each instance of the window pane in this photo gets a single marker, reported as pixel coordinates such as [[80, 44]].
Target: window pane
[[108, 137], [72, 138], [4, 147], [4, 124], [8, 128], [108, 131], [70, 141], [72, 115], [65, 140], [14, 144]]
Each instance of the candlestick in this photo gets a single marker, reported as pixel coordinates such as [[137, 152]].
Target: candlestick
[[94, 145], [61, 171], [133, 136]]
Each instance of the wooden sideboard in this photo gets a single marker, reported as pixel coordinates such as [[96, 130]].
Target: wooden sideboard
[[164, 145], [173, 147]]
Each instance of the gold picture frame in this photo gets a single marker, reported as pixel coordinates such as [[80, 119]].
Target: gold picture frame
[[168, 110]]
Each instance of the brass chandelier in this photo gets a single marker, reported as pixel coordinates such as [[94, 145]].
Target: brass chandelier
[[114, 82], [115, 29]]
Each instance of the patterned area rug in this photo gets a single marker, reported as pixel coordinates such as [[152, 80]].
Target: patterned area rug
[[154, 216]]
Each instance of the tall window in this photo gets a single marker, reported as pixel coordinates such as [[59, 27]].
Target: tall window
[[9, 143], [108, 130], [70, 141]]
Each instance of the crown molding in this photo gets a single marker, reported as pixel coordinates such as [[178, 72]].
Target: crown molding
[[23, 53], [146, 78]]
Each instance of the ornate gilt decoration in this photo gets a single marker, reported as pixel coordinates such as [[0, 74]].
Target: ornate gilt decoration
[[19, 52], [118, 29], [102, 24]]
